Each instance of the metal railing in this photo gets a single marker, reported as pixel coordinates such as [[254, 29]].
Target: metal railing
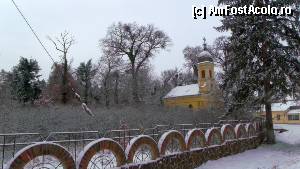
[[11, 143]]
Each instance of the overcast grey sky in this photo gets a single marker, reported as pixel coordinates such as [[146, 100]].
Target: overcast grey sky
[[88, 21]]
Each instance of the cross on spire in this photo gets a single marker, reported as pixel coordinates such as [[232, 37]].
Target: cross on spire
[[204, 43]]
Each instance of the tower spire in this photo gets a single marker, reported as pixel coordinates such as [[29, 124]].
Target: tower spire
[[204, 43]]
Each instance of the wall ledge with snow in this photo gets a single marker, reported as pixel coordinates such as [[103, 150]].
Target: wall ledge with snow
[[194, 158]]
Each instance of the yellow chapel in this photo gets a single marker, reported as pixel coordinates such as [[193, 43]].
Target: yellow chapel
[[199, 95]]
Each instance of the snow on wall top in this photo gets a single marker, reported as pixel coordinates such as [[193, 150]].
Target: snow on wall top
[[187, 90], [284, 106], [295, 111]]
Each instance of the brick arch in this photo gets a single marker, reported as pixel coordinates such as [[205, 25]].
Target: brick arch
[[212, 135], [32, 151], [250, 130], [193, 134], [257, 126], [98, 145], [167, 137], [240, 131], [226, 130], [139, 141]]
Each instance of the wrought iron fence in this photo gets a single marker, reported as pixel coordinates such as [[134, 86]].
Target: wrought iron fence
[[11, 143], [74, 142]]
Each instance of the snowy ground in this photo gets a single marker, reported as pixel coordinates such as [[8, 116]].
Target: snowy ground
[[283, 155]]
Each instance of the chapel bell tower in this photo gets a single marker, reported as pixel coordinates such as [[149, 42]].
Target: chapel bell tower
[[206, 73]]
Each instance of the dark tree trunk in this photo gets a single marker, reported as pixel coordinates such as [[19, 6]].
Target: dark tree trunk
[[135, 94], [106, 93], [269, 121], [116, 92], [135, 86], [65, 80], [106, 98], [268, 96], [86, 93]]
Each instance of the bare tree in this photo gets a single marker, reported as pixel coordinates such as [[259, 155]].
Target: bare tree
[[170, 77], [108, 65], [221, 50], [138, 43], [191, 57], [216, 50], [62, 44]]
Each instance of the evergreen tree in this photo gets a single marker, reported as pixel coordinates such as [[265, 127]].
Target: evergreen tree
[[25, 80], [262, 66], [85, 74], [5, 87]]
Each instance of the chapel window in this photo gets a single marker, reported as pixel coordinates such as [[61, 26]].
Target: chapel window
[[203, 73], [293, 117], [278, 117]]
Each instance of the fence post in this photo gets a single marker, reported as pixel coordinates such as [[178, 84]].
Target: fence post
[[124, 138], [14, 149], [3, 151]]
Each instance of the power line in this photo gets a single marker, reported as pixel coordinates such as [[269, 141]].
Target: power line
[[32, 30]]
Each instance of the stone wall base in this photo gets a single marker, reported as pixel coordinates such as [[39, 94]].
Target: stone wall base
[[195, 158]]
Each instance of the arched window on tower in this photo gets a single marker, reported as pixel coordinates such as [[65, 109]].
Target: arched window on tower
[[203, 73], [210, 74]]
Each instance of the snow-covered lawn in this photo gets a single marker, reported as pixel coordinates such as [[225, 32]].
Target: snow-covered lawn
[[283, 155], [291, 137]]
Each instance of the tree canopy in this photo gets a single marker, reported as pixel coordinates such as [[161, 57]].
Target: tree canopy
[[138, 43], [25, 80]]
